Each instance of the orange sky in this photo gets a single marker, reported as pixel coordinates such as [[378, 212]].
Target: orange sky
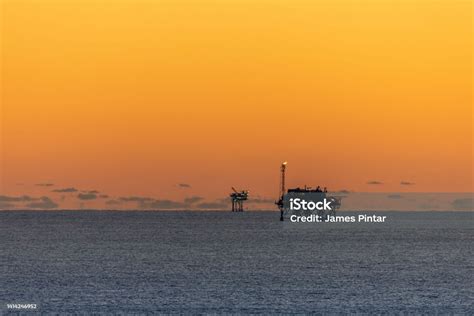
[[133, 97]]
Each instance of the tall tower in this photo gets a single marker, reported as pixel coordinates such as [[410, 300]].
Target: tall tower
[[282, 189]]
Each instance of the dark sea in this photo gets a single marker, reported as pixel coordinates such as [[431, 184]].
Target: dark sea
[[134, 262]]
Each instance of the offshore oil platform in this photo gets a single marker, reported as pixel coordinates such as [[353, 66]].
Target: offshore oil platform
[[238, 198], [315, 195]]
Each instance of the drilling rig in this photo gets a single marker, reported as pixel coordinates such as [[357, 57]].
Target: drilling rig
[[238, 198]]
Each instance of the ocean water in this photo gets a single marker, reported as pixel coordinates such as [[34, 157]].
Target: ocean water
[[223, 262]]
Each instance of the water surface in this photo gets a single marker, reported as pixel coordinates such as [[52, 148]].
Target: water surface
[[222, 262]]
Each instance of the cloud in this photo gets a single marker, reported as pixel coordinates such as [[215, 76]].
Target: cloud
[[212, 205], [374, 182], [466, 204], [86, 196], [23, 198], [193, 199], [37, 203], [113, 202], [136, 199], [406, 183], [162, 204], [151, 203], [65, 190], [427, 206], [259, 200], [6, 205], [44, 203], [103, 196], [184, 185], [394, 196], [343, 191], [91, 192], [44, 184]]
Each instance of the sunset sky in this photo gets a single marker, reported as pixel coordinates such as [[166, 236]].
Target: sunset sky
[[181, 98]]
